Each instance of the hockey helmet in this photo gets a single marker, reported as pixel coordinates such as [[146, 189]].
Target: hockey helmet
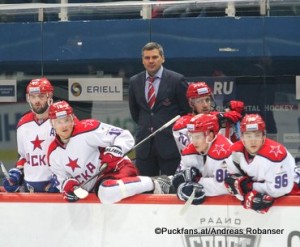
[[252, 122], [39, 85], [203, 123], [60, 109], [198, 89]]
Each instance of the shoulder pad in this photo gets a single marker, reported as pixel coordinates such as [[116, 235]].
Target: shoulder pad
[[26, 118], [273, 151], [182, 122], [85, 126], [220, 149], [237, 147], [190, 149]]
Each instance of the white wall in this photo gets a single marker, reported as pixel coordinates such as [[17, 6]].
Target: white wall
[[46, 220]]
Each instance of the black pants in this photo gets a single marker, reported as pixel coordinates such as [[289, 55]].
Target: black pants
[[155, 165]]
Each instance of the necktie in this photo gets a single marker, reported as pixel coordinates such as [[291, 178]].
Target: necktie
[[151, 92]]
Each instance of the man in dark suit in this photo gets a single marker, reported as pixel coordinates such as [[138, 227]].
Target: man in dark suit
[[156, 96]]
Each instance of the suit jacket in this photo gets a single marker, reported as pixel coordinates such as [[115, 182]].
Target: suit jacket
[[170, 101]]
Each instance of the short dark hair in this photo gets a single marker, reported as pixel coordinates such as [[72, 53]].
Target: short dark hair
[[151, 46]]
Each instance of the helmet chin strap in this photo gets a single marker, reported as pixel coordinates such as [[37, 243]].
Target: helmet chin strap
[[28, 101], [50, 100]]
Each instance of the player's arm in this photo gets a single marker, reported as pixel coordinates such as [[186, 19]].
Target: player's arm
[[115, 141], [107, 135], [279, 179], [14, 181], [187, 171], [237, 182], [213, 187], [187, 186], [181, 138], [58, 173], [214, 184], [234, 111], [242, 187], [180, 132], [63, 182]]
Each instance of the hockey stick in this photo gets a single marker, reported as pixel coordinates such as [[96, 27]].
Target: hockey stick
[[6, 175], [188, 203], [155, 132], [237, 165], [82, 193]]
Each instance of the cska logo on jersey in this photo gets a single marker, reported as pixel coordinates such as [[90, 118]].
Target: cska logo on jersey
[[37, 143], [276, 150], [219, 149], [73, 164]]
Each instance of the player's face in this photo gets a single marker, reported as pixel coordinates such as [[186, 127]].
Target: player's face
[[63, 127], [199, 141], [253, 141], [152, 61], [202, 104], [38, 102]]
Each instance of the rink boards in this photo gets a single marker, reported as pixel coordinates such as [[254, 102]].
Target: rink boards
[[145, 220]]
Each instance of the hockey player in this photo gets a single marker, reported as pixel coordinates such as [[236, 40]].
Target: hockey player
[[266, 167], [204, 162], [201, 100], [80, 149], [34, 134]]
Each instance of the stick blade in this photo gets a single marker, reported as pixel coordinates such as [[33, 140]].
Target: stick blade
[[81, 193], [188, 203]]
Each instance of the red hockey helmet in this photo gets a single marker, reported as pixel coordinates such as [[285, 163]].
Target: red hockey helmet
[[198, 89], [252, 122], [39, 85], [60, 110], [203, 123]]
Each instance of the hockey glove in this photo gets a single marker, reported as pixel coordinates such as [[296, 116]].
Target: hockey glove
[[112, 156], [52, 186], [69, 186], [231, 116], [259, 202], [15, 180], [185, 190], [236, 105], [237, 184], [191, 174]]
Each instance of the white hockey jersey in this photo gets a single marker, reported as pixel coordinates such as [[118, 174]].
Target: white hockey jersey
[[33, 139], [272, 168], [214, 166], [80, 157], [180, 131]]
